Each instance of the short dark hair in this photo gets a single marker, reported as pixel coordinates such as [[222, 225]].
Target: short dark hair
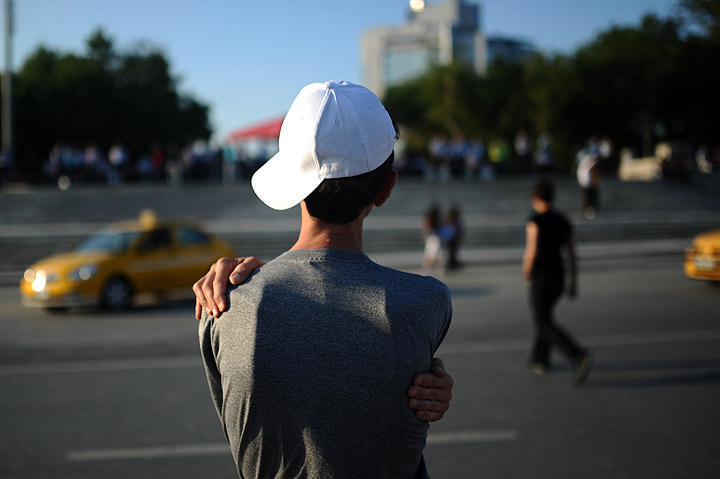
[[341, 200], [544, 190]]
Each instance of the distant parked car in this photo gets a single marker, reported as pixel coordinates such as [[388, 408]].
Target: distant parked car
[[115, 265], [702, 259]]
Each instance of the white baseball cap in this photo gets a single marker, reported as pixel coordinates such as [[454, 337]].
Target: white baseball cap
[[334, 129]]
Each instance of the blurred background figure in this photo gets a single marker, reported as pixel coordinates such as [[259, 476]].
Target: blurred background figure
[[173, 166], [605, 149], [521, 145], [701, 160], [543, 154], [433, 257], [229, 166], [451, 235], [93, 165], [498, 154], [157, 164], [474, 157], [118, 158], [437, 147], [588, 178]]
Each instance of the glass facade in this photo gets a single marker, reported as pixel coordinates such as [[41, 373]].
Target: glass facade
[[405, 63], [441, 33]]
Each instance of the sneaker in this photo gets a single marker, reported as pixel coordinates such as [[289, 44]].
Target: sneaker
[[582, 368], [538, 368]]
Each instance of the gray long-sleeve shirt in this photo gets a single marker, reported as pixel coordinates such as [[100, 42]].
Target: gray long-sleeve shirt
[[310, 366]]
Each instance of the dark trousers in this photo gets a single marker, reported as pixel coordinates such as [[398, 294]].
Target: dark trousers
[[452, 249], [545, 291], [589, 198]]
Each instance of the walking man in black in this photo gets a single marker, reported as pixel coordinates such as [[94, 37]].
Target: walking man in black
[[548, 235]]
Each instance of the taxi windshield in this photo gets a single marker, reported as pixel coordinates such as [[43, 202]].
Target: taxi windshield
[[111, 242]]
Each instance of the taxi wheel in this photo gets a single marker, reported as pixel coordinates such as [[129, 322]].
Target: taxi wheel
[[117, 294]]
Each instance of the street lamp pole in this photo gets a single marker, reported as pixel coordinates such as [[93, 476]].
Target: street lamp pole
[[7, 103]]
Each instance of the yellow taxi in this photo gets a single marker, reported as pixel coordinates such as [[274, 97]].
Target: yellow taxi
[[119, 263], [702, 259]]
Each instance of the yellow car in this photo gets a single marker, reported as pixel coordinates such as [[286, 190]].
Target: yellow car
[[702, 259], [117, 264]]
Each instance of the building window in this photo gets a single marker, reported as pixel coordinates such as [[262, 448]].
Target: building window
[[406, 63]]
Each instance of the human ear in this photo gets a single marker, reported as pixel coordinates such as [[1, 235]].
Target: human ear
[[387, 188]]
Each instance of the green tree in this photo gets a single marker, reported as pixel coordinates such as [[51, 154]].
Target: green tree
[[704, 14], [629, 79], [556, 104], [700, 69], [445, 100], [504, 105], [657, 81], [101, 49], [101, 97]]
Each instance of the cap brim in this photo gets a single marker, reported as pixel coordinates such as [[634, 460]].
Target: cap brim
[[281, 187]]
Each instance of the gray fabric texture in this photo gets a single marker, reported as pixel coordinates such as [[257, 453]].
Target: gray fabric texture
[[310, 367]]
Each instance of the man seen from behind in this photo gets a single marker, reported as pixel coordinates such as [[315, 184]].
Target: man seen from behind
[[323, 310]]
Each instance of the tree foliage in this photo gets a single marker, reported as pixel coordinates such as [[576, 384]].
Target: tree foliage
[[704, 14], [101, 97], [656, 81]]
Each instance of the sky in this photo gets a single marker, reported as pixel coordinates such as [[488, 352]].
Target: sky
[[248, 59]]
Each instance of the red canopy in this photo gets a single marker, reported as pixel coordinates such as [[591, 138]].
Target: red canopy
[[266, 130]]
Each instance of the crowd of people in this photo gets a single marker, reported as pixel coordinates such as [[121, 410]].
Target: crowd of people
[[445, 159], [476, 159], [197, 162]]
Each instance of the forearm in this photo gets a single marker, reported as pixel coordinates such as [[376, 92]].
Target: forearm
[[212, 372], [530, 250], [527, 266]]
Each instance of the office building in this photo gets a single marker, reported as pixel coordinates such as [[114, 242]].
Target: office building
[[435, 34]]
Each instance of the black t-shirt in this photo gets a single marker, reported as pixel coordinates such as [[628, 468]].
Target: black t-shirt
[[554, 232]]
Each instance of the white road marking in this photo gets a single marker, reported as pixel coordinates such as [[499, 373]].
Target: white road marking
[[468, 437], [476, 347], [102, 365], [119, 454], [219, 448]]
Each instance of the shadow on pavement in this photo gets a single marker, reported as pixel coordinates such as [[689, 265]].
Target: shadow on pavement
[[649, 374]]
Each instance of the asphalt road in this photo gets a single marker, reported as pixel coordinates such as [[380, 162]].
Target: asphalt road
[[88, 394]]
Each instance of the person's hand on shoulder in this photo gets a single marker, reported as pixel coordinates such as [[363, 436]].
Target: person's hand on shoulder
[[431, 392], [210, 289]]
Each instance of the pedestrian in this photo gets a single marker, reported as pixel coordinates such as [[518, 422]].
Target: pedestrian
[[543, 153], [548, 234], [309, 366], [474, 157], [118, 158], [433, 256], [588, 179], [521, 144], [452, 235], [437, 153]]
